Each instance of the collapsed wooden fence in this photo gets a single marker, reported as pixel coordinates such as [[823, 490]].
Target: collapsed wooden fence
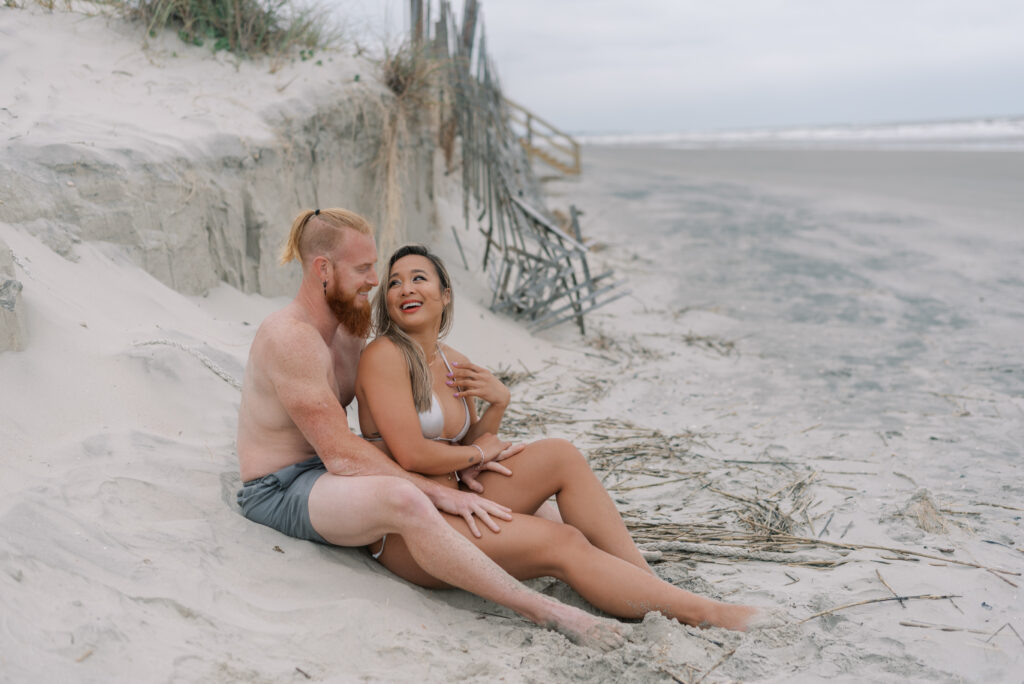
[[538, 272]]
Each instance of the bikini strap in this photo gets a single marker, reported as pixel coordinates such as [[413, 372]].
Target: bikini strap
[[444, 358], [465, 404]]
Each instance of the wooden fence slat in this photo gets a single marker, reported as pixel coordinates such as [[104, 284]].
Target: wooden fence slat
[[537, 271]]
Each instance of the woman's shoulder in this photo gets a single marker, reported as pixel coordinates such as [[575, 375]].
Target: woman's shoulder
[[380, 350], [381, 362], [453, 355]]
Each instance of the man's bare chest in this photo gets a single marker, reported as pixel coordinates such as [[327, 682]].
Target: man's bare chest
[[345, 362]]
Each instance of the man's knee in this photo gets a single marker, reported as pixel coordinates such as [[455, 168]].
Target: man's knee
[[403, 501]]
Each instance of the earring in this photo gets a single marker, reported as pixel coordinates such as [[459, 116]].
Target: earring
[[325, 288]]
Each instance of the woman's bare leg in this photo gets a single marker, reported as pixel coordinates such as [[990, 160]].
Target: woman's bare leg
[[531, 547], [549, 511], [555, 466], [354, 511]]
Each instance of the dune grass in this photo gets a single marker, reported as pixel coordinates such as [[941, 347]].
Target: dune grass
[[244, 27], [247, 28]]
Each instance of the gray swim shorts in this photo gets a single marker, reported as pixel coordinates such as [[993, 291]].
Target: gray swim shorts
[[281, 500]]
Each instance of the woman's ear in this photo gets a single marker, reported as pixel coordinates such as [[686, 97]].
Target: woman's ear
[[446, 296]]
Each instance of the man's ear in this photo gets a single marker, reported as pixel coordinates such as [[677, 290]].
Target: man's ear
[[321, 267]]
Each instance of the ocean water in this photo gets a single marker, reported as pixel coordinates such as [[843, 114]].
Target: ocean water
[[996, 133]]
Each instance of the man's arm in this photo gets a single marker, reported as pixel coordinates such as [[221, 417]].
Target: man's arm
[[297, 363]]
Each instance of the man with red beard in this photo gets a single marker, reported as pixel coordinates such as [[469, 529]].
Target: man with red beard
[[307, 475]]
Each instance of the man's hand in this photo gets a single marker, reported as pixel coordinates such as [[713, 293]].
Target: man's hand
[[468, 505]]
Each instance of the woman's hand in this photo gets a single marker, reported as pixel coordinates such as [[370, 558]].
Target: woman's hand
[[469, 475], [476, 381], [491, 448]]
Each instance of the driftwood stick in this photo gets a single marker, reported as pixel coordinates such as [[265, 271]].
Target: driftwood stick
[[1001, 629], [1012, 584], [736, 460], [882, 580], [827, 523], [995, 505], [929, 597], [650, 484], [675, 679], [944, 628], [840, 545], [733, 552], [716, 665]]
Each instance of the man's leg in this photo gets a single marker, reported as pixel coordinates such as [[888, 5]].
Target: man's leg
[[355, 511]]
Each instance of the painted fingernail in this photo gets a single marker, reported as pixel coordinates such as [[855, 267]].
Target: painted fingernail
[[449, 382]]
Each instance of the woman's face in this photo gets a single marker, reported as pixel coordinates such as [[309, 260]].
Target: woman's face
[[415, 296]]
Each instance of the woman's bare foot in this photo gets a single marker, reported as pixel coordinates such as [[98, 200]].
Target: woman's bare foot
[[769, 618], [732, 616], [585, 629]]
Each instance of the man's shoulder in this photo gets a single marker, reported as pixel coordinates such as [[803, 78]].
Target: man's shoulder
[[283, 332]]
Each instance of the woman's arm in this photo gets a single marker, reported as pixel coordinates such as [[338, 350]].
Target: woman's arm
[[384, 386], [476, 381]]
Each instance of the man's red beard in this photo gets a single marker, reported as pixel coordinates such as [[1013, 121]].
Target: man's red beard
[[352, 313]]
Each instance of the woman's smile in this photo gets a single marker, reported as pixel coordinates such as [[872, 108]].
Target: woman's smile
[[413, 288], [410, 305]]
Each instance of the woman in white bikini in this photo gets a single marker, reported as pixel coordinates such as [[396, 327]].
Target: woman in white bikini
[[413, 391]]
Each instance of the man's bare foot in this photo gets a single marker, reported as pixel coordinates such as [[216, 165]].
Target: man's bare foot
[[585, 629]]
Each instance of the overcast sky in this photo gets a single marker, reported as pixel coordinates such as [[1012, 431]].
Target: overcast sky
[[694, 65]]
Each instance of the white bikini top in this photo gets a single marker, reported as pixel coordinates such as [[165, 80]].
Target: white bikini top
[[432, 421]]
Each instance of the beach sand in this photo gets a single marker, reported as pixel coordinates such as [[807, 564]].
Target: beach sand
[[875, 307], [835, 333]]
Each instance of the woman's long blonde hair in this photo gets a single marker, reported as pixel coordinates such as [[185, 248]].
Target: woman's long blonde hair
[[415, 356]]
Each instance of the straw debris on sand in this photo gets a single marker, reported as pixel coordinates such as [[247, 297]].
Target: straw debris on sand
[[760, 524], [712, 511]]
